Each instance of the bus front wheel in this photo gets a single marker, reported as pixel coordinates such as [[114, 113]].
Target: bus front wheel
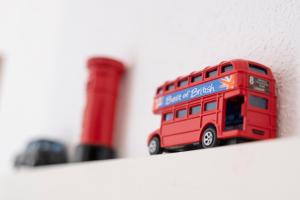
[[209, 138], [154, 146]]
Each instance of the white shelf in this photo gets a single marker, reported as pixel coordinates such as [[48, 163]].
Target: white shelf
[[258, 170]]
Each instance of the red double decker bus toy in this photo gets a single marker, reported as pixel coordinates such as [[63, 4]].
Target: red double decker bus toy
[[230, 102]]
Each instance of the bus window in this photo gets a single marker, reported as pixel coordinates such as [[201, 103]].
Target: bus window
[[159, 91], [170, 87], [210, 106], [196, 78], [258, 102], [168, 116], [181, 113], [195, 109], [258, 69], [211, 73], [183, 82], [226, 68]]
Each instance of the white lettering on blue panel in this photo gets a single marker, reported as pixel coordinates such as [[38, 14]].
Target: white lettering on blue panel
[[197, 91]]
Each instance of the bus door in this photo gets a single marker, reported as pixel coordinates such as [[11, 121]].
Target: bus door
[[234, 118]]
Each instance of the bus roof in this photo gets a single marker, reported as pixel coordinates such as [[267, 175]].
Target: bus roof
[[234, 62]]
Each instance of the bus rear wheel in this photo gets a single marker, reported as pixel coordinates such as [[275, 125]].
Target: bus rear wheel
[[154, 146], [209, 138]]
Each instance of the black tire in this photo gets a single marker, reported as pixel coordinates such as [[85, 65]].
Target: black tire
[[209, 138], [154, 146]]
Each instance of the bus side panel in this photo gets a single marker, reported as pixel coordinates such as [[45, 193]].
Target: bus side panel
[[209, 118], [181, 132], [273, 133], [258, 119], [181, 139], [258, 125]]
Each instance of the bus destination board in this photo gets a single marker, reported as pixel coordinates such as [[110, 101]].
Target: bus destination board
[[259, 84], [211, 87]]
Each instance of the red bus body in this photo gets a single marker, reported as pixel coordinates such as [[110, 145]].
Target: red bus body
[[235, 97]]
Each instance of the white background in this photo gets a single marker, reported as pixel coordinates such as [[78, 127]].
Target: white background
[[44, 46]]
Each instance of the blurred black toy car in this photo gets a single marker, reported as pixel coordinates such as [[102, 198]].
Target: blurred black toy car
[[42, 152]]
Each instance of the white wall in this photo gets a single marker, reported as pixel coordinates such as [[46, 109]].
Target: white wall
[[44, 45]]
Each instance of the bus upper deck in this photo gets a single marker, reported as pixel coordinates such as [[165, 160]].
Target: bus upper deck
[[226, 76]]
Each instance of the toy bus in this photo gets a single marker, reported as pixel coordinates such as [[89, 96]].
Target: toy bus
[[226, 103]]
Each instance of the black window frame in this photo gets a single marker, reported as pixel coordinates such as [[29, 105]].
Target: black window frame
[[177, 113], [194, 106], [160, 91], [256, 101], [258, 69], [209, 103], [170, 85], [223, 68], [214, 71], [165, 119], [185, 81], [196, 78]]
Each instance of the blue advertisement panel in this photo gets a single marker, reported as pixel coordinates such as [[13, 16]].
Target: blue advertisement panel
[[200, 90]]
